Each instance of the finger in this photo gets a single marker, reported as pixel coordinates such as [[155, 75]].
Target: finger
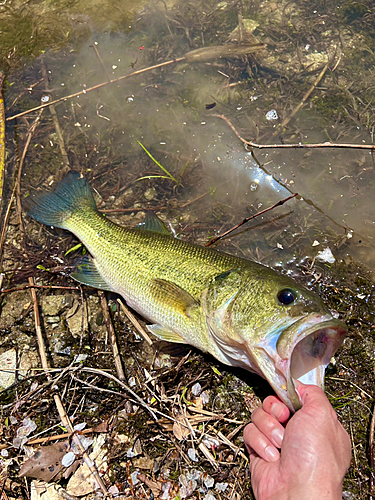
[[269, 426], [314, 400], [277, 408], [257, 442]]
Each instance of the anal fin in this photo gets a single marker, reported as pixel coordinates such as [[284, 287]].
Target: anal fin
[[87, 273], [164, 334]]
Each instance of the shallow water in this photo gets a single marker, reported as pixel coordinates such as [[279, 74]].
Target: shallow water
[[166, 111]]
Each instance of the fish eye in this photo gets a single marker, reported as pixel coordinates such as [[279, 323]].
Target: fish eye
[[286, 296]]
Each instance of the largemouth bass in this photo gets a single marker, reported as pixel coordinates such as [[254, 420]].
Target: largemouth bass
[[243, 313]]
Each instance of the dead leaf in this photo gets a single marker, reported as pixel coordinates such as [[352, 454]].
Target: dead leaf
[[43, 491], [45, 464], [155, 486], [180, 431], [198, 403], [137, 448], [144, 463], [103, 427]]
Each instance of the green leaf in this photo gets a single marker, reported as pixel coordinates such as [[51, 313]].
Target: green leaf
[[215, 370], [157, 163], [76, 247], [152, 177]]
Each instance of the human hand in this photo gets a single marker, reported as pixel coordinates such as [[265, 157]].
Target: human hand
[[305, 460]]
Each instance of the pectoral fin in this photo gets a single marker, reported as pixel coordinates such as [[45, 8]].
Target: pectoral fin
[[173, 296], [164, 334], [86, 272]]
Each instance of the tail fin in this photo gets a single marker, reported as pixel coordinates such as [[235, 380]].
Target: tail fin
[[54, 208]]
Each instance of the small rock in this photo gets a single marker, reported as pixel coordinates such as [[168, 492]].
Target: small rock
[[13, 307], [196, 389], [134, 478], [209, 482], [150, 194], [53, 305], [68, 459], [125, 199], [272, 115], [221, 486], [192, 455], [8, 365], [74, 319]]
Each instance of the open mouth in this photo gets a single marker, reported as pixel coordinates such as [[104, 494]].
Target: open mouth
[[307, 347]]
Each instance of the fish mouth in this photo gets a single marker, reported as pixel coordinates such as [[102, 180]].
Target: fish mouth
[[302, 353]]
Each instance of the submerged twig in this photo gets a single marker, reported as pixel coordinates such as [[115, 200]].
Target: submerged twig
[[19, 174], [56, 122], [101, 62], [304, 99], [285, 186], [199, 55], [58, 402], [135, 322], [279, 203], [298, 145], [16, 191], [112, 335], [95, 87]]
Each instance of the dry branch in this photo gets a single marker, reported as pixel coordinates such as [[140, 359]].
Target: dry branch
[[58, 402], [112, 335], [135, 323]]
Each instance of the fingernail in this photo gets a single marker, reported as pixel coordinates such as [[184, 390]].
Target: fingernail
[[278, 436], [277, 410], [272, 455]]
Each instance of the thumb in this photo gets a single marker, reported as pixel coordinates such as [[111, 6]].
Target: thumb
[[312, 395]]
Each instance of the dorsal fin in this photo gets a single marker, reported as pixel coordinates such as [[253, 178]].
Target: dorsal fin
[[153, 223]]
